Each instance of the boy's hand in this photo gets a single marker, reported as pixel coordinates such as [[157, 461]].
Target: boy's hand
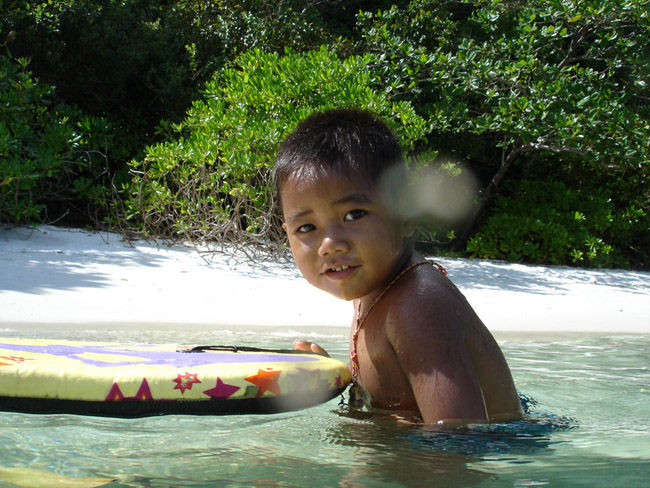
[[309, 346]]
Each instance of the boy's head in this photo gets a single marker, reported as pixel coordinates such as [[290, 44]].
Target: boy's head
[[345, 142], [337, 177]]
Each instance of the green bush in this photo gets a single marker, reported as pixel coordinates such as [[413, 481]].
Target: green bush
[[547, 222], [513, 90], [51, 156], [213, 181], [508, 85], [138, 62]]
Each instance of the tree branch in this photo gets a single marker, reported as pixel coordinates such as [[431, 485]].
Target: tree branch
[[490, 191]]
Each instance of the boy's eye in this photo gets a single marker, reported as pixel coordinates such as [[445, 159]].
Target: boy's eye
[[355, 214], [305, 228]]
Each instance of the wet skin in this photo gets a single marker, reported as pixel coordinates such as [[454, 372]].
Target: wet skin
[[422, 351]]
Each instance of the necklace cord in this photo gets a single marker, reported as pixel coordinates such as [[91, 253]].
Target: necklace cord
[[354, 359]]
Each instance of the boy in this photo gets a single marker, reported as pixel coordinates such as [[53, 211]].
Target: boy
[[417, 349]]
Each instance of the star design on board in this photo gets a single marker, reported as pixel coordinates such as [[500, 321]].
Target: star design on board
[[221, 390], [116, 395], [266, 380], [13, 360], [185, 381]]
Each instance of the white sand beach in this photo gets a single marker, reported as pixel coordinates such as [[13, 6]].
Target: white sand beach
[[69, 277]]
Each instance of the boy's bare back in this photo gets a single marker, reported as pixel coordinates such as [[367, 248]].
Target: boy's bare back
[[423, 351]]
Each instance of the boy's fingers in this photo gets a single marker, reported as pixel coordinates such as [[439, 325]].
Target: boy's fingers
[[302, 345], [318, 350], [309, 346]]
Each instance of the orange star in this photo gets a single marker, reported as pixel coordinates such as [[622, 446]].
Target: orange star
[[266, 381]]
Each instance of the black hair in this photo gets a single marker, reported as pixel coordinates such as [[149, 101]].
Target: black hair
[[350, 142]]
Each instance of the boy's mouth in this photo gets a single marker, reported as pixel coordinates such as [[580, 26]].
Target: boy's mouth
[[340, 272], [340, 268]]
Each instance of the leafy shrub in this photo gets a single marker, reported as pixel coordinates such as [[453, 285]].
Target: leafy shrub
[[503, 85], [50, 155], [507, 83], [213, 181], [547, 222], [138, 62]]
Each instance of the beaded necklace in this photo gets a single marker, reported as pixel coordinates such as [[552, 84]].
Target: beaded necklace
[[354, 360]]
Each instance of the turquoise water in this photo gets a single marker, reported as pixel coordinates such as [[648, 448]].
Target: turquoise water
[[589, 425]]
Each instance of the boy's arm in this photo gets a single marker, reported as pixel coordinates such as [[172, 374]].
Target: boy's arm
[[428, 338]]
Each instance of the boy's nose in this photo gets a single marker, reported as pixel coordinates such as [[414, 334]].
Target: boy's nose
[[333, 243]]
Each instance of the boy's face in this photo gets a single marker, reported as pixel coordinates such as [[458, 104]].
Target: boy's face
[[344, 238]]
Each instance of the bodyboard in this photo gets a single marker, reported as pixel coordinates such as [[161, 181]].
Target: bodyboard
[[136, 380]]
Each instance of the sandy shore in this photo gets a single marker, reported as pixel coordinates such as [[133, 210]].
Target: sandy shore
[[59, 277]]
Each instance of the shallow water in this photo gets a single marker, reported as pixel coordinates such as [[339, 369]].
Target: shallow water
[[589, 425]]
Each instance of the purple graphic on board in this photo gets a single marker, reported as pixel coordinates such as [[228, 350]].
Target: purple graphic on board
[[153, 357], [221, 390]]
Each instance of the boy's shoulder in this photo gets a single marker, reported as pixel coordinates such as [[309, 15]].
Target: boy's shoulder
[[425, 297], [427, 283]]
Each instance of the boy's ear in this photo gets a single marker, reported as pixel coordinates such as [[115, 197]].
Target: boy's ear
[[284, 226]]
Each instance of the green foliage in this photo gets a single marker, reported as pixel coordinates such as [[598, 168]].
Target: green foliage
[[512, 90], [532, 76], [550, 223], [506, 83], [213, 181], [136, 63], [50, 155], [146, 58]]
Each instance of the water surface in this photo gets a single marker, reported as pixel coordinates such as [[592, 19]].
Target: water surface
[[588, 425]]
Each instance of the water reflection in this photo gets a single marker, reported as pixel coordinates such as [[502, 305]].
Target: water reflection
[[393, 454]]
